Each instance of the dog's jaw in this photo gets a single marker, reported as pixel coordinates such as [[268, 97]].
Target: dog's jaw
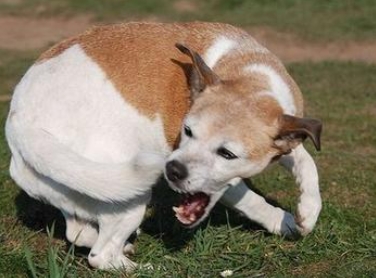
[[191, 220]]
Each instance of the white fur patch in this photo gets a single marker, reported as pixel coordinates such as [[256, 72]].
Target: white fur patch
[[280, 90], [304, 169], [217, 50]]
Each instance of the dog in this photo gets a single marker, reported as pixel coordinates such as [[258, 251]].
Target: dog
[[101, 116]]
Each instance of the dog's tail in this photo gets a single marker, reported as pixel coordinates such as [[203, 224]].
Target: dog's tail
[[106, 182]]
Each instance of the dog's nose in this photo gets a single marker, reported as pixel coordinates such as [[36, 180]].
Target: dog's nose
[[176, 171]]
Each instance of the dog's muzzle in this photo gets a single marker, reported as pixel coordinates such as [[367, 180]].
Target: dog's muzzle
[[192, 206]]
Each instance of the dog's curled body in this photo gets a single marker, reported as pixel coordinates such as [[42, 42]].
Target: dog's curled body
[[92, 122]]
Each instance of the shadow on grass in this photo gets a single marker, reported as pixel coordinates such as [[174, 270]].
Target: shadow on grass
[[37, 216], [162, 224]]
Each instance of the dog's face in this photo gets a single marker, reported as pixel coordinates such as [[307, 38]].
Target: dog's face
[[230, 132], [221, 138]]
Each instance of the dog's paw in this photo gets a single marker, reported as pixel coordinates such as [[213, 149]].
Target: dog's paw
[[288, 226], [282, 223], [128, 249], [307, 214], [116, 262]]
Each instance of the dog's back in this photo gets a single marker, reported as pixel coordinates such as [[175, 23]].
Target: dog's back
[[148, 71]]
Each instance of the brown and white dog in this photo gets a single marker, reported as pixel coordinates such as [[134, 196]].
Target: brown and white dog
[[99, 117]]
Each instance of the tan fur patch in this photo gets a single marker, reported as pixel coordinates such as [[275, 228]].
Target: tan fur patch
[[142, 62], [244, 116], [243, 59]]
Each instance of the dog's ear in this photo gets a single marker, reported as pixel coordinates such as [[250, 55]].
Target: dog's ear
[[294, 130], [201, 75]]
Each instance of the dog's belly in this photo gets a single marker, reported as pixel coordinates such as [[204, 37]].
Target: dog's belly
[[71, 98], [69, 201], [48, 191]]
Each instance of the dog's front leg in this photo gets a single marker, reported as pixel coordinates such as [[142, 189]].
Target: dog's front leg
[[255, 207], [302, 166]]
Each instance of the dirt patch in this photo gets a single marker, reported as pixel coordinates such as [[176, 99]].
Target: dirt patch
[[370, 109], [10, 2], [346, 197], [292, 49], [5, 98], [184, 6], [315, 269], [32, 33]]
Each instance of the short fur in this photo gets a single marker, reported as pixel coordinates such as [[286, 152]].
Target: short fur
[[93, 121]]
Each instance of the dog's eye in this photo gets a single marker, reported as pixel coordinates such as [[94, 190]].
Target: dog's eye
[[188, 131], [225, 153]]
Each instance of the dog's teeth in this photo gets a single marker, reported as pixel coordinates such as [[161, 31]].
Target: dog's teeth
[[177, 210], [180, 218], [183, 220], [192, 218], [198, 208]]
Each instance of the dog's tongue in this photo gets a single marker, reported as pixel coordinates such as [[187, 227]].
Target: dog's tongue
[[191, 208]]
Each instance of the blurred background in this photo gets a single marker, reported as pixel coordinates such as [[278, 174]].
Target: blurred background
[[328, 46], [291, 28]]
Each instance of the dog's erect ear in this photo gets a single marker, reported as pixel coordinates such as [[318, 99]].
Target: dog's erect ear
[[201, 75], [294, 130]]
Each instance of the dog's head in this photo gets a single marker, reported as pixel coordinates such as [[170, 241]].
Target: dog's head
[[232, 131]]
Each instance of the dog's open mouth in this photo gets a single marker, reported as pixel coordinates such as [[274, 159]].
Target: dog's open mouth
[[192, 208]]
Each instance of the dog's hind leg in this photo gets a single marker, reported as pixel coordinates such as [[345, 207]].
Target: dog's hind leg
[[302, 166], [114, 229], [80, 233], [255, 207]]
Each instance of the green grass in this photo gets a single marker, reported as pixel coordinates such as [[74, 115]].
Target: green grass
[[56, 268], [311, 19], [315, 19], [342, 245], [13, 65]]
